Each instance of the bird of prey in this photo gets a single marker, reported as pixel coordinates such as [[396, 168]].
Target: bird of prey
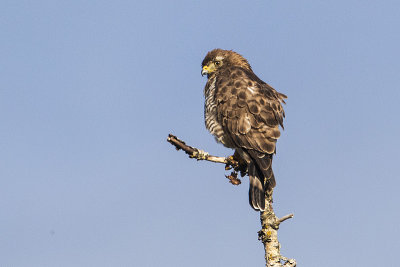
[[244, 113]]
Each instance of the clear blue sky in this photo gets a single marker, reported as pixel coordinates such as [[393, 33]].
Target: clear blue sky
[[89, 91]]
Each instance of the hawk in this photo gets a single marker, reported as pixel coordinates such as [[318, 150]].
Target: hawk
[[244, 113]]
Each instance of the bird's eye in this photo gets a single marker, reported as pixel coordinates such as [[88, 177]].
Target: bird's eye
[[217, 63]]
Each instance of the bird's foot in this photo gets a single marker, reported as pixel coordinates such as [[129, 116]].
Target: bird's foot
[[230, 163]]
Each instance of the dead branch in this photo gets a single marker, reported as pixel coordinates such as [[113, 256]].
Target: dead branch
[[195, 153], [268, 235]]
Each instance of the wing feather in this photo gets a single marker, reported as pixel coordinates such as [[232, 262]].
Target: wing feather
[[249, 110]]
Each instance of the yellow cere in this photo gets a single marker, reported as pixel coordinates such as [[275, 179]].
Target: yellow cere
[[209, 68]]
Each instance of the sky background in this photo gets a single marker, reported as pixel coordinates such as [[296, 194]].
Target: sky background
[[89, 91]]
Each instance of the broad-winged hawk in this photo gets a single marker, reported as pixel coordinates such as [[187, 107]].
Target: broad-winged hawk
[[243, 113]]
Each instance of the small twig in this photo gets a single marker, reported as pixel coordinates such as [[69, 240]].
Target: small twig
[[286, 217]]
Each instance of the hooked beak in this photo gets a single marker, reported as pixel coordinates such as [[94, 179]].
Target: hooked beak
[[204, 71]]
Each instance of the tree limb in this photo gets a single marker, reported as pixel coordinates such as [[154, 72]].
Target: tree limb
[[268, 235], [230, 162]]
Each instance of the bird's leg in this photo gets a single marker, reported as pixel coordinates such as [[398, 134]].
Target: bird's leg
[[242, 164], [231, 162], [239, 165]]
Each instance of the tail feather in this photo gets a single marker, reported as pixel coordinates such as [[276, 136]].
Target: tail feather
[[256, 190], [262, 178]]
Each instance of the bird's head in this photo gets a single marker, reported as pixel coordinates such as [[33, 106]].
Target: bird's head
[[218, 59]]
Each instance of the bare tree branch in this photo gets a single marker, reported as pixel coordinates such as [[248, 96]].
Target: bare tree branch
[[230, 162], [268, 235], [199, 154]]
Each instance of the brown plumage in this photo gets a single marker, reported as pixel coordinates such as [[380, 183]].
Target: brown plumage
[[243, 113]]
